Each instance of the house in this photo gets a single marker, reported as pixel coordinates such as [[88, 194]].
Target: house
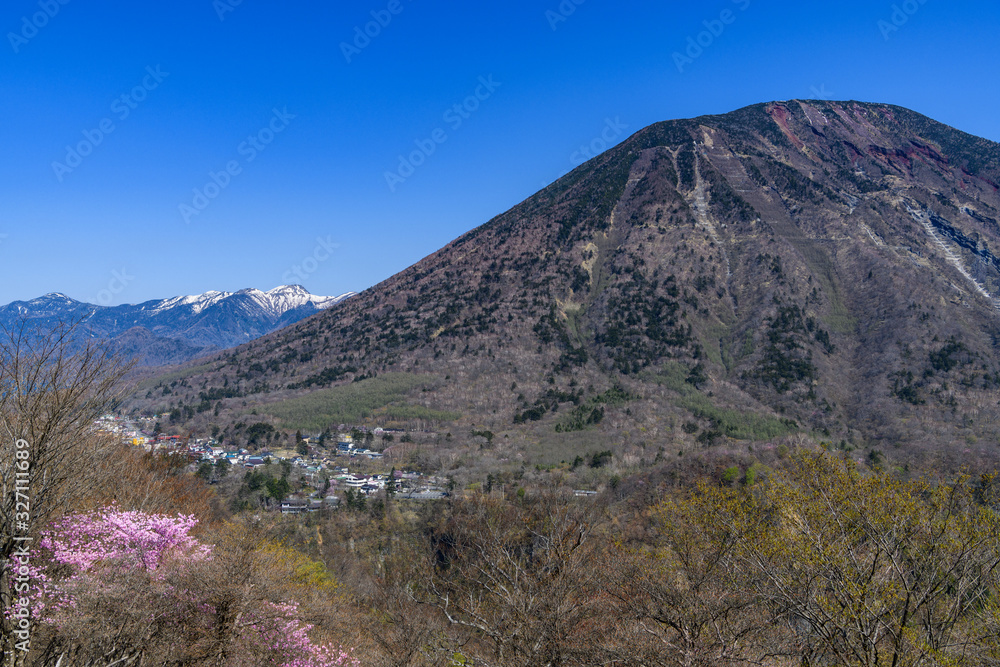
[[294, 505]]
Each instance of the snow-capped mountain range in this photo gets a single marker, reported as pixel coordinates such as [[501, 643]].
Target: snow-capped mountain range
[[179, 328], [277, 302]]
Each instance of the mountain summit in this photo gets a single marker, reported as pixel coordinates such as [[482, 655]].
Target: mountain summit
[[273, 303], [179, 328], [825, 269]]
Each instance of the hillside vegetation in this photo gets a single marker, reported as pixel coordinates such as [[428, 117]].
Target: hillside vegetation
[[811, 269]]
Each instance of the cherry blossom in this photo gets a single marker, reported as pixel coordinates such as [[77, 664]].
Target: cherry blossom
[[80, 554]]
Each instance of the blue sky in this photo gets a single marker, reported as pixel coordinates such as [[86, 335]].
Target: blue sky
[[150, 151]]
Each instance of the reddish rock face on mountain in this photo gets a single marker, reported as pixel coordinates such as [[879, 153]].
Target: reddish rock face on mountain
[[826, 266]]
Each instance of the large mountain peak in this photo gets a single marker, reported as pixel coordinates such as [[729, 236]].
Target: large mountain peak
[[814, 266]]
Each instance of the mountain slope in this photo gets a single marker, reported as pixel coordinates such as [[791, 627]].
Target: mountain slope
[[822, 267], [177, 329]]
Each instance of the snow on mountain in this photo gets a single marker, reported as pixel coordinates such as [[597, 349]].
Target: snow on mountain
[[203, 322], [290, 297], [275, 302], [197, 302]]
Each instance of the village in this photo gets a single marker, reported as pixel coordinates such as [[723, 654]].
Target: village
[[326, 472]]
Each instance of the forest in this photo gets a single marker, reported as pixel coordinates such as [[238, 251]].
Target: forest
[[813, 560]]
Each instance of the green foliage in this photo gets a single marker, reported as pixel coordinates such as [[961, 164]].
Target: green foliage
[[731, 423], [728, 201], [875, 571], [534, 414], [259, 433], [754, 173], [794, 185], [685, 165], [219, 393], [601, 190], [643, 324], [175, 376], [823, 338], [600, 459], [591, 413], [325, 377], [904, 389], [379, 397], [355, 500], [261, 486], [876, 459], [205, 471], [697, 376], [550, 400], [784, 364], [489, 435], [551, 329], [278, 488], [952, 354]]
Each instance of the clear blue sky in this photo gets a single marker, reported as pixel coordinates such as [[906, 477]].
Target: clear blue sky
[[69, 227]]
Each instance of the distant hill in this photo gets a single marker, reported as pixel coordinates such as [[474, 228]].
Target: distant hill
[[171, 331], [800, 269]]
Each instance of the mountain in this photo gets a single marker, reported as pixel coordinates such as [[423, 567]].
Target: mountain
[[175, 330], [799, 270]]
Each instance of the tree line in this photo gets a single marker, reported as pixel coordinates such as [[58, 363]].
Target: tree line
[[813, 562]]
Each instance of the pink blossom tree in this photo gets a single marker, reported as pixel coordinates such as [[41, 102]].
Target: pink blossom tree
[[132, 539], [130, 586]]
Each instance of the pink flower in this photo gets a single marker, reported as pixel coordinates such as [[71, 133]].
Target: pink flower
[[133, 538], [77, 546]]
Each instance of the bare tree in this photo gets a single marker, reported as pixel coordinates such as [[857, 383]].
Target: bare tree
[[683, 598], [402, 632], [52, 388], [519, 577]]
